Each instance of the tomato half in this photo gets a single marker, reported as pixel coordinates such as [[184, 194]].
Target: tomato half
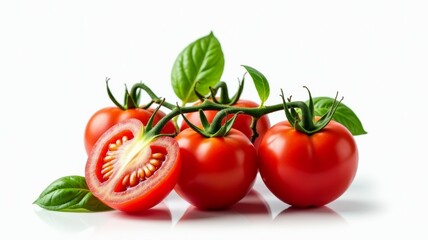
[[130, 173], [242, 122], [217, 172], [105, 118], [307, 170]]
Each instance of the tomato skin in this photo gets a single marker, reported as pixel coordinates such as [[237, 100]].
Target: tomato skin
[[307, 170], [106, 117], [129, 157], [217, 172], [242, 122]]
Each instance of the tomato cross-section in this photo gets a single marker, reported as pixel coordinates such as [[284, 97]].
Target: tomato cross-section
[[130, 172]]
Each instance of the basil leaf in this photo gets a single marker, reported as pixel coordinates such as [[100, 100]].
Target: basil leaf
[[344, 115], [199, 66], [70, 194], [261, 83]]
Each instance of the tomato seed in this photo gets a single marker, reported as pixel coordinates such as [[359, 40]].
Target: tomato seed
[[107, 164], [158, 156], [133, 179], [147, 172], [140, 174], [113, 147], [155, 162], [108, 158], [106, 169], [151, 167], [107, 175], [125, 180]]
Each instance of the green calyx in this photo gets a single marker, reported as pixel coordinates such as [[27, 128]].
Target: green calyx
[[305, 121], [132, 97], [214, 129], [131, 101], [224, 98]]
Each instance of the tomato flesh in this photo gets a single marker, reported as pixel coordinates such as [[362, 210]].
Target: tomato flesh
[[307, 170], [130, 173]]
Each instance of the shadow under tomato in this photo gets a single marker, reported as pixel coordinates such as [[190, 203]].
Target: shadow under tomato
[[252, 209], [309, 217]]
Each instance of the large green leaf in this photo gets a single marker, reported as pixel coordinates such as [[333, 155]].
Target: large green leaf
[[200, 65], [70, 194]]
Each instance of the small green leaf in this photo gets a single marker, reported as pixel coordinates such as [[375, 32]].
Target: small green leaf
[[261, 83], [70, 194], [198, 67], [343, 114]]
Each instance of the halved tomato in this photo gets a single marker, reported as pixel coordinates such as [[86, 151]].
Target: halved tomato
[[129, 171]]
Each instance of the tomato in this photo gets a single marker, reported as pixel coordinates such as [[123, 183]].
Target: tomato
[[217, 172], [307, 170], [242, 122], [105, 118], [130, 172]]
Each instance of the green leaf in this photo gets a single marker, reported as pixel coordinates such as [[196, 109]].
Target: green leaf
[[344, 115], [198, 67], [70, 194], [261, 83]]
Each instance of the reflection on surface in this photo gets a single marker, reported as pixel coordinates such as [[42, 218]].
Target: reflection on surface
[[158, 217], [157, 213], [112, 222], [309, 217], [355, 206], [252, 209], [251, 213], [71, 222]]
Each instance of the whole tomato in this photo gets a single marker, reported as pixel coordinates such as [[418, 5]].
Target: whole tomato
[[106, 117], [242, 122], [217, 172], [307, 170]]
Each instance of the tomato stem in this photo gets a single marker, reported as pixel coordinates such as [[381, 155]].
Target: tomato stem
[[224, 110], [224, 94], [253, 127], [304, 122], [151, 94]]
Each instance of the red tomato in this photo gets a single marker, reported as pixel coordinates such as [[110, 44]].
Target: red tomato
[[242, 122], [105, 118], [128, 172], [217, 172], [307, 170]]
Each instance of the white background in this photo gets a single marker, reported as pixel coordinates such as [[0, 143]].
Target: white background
[[55, 56]]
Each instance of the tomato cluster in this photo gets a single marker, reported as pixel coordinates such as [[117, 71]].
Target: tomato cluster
[[138, 154], [132, 168]]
